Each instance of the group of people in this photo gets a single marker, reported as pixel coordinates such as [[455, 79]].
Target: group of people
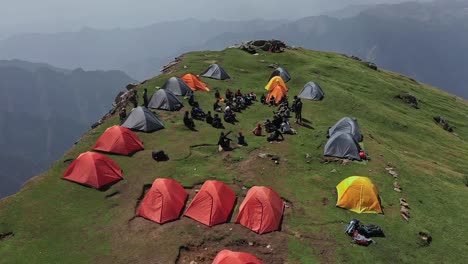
[[236, 102], [224, 143], [280, 123]]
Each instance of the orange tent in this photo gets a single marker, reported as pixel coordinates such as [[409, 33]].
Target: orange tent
[[278, 92], [275, 81], [93, 169], [194, 82], [231, 257], [164, 201], [118, 140], [213, 203], [261, 211]]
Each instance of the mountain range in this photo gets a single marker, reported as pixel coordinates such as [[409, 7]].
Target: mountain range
[[423, 40], [45, 110]]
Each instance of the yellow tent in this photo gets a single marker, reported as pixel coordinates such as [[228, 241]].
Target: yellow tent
[[358, 194], [274, 82]]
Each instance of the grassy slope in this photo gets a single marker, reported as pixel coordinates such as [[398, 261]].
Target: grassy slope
[[56, 221]]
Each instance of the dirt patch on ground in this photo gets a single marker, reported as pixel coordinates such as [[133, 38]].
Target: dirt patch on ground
[[6, 235], [255, 166], [270, 248]]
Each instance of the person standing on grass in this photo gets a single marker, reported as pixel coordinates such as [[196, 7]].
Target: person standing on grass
[[298, 111], [145, 98]]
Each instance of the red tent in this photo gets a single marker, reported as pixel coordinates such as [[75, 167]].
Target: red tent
[[93, 169], [231, 257], [213, 203], [164, 201], [118, 140], [194, 82], [261, 210]]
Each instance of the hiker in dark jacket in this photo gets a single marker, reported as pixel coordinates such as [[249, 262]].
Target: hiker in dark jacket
[[209, 118], [275, 136], [294, 102], [145, 98], [224, 142], [217, 123], [134, 98], [217, 106], [191, 100], [272, 101], [298, 111], [188, 122], [263, 99], [122, 114]]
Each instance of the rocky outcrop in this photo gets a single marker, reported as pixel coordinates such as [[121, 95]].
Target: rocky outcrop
[[409, 99], [254, 46]]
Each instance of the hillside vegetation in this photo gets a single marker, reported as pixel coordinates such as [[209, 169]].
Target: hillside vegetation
[[56, 221]]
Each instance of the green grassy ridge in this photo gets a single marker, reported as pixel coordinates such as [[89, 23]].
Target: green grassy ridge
[[56, 221]]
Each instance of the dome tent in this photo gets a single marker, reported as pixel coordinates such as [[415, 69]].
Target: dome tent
[[215, 71], [164, 201], [312, 91], [213, 203], [342, 146], [177, 86], [261, 211], [165, 100], [93, 169], [346, 125], [142, 119], [358, 194], [284, 74], [231, 257], [194, 82], [118, 140]]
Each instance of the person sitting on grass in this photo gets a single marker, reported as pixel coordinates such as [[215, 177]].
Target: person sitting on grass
[[188, 122], [229, 95], [224, 143], [275, 136], [197, 112], [191, 100], [238, 93], [241, 139], [272, 101], [257, 131], [217, 106], [209, 118], [263, 99], [217, 122], [230, 116], [253, 96], [286, 127], [269, 126]]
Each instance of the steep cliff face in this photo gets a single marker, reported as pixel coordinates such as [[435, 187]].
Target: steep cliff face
[[44, 111]]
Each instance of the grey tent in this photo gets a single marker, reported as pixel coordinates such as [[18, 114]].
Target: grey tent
[[312, 91], [142, 119], [165, 100], [342, 145], [177, 86], [215, 72], [346, 125], [284, 74]]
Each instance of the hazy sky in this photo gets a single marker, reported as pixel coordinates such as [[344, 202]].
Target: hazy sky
[[56, 15]]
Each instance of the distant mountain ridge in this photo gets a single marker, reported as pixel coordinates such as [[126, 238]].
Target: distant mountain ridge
[[425, 40], [45, 110]]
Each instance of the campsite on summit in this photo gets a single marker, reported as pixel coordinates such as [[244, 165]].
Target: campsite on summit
[[156, 182]]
